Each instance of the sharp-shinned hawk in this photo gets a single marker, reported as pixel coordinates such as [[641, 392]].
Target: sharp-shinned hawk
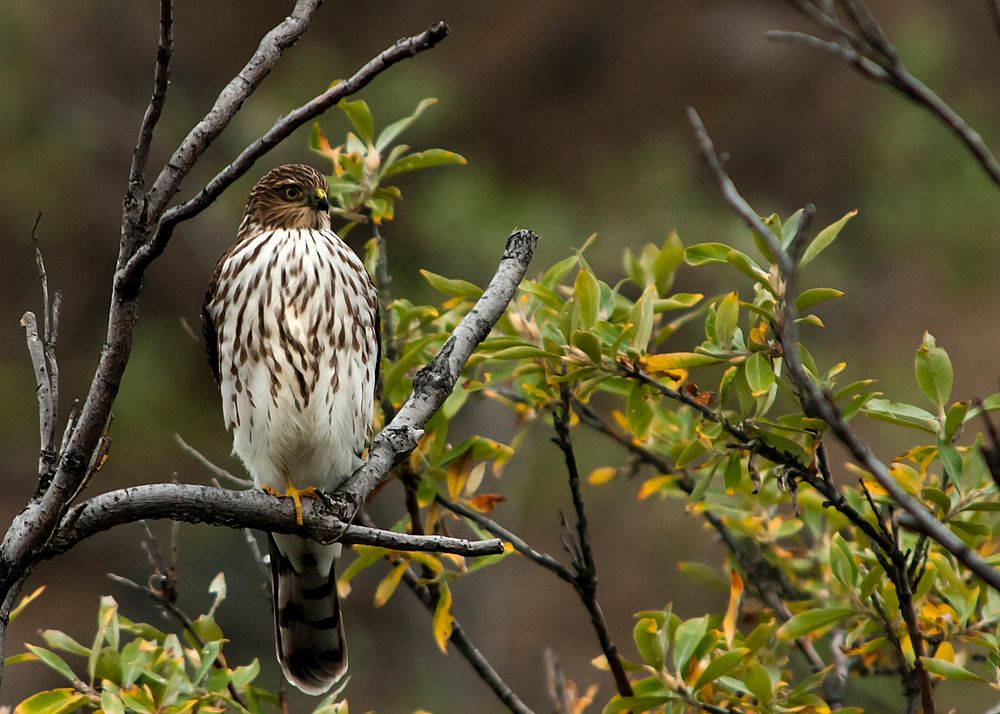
[[291, 328]]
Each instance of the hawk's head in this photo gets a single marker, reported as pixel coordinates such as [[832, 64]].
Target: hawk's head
[[289, 196]]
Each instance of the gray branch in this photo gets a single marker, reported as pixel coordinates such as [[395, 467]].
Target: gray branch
[[239, 509], [43, 387], [229, 101], [402, 49], [434, 383]]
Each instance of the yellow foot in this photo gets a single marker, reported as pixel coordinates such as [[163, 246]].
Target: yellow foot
[[296, 494]]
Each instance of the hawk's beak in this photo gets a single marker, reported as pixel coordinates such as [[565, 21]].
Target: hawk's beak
[[320, 202]]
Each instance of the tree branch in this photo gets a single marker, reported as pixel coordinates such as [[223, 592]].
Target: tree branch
[[161, 82], [873, 57], [402, 49], [433, 383], [583, 556], [229, 101], [238, 509]]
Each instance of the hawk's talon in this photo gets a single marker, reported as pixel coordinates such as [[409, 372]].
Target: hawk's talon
[[295, 494]]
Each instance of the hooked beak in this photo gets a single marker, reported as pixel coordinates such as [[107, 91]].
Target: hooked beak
[[319, 201]]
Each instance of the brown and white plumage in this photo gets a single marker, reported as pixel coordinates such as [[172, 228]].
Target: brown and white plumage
[[291, 328]]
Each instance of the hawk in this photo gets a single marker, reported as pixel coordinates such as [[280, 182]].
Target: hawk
[[292, 331]]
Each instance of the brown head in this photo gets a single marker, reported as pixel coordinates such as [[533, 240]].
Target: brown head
[[289, 196]]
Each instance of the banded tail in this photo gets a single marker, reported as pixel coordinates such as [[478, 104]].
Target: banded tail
[[308, 626]]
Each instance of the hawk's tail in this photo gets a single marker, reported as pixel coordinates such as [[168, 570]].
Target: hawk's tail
[[308, 627]]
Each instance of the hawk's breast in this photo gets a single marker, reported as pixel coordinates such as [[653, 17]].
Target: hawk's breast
[[295, 315]]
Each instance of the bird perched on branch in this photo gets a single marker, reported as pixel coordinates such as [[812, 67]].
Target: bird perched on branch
[[291, 327]]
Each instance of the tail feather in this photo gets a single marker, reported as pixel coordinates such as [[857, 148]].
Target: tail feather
[[308, 626]]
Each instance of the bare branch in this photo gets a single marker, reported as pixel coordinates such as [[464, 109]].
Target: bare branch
[[43, 388], [238, 509], [217, 471], [874, 57], [229, 101], [161, 81], [433, 383], [402, 49], [583, 559]]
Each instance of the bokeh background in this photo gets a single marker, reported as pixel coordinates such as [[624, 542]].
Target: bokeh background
[[571, 116]]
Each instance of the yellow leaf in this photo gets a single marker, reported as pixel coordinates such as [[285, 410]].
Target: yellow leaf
[[729, 621], [388, 585], [443, 618], [25, 601], [601, 662], [875, 488], [486, 502], [945, 651], [657, 364], [475, 477], [458, 474], [652, 485], [620, 419], [602, 475]]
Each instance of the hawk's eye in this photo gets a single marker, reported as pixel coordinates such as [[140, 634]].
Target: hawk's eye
[[292, 193]]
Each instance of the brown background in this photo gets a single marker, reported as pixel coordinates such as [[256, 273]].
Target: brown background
[[571, 116]]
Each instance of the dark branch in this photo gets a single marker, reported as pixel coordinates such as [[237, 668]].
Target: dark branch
[[872, 55], [585, 581], [161, 81], [238, 509]]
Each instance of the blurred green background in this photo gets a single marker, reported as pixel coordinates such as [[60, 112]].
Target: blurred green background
[[571, 116]]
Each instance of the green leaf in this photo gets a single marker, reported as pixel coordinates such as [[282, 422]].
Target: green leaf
[[721, 665], [61, 641], [811, 620], [759, 374], [111, 704], [668, 260], [390, 133], [636, 704], [949, 670], [452, 286], [640, 413], [955, 418], [813, 296], [651, 641], [842, 562], [726, 318], [55, 701], [733, 473], [589, 342], [746, 265], [686, 639], [587, 293], [707, 253], [758, 681], [825, 237], [361, 118], [422, 160], [934, 372], [902, 414], [53, 661], [217, 589]]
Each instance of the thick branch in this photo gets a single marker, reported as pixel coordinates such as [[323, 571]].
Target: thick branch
[[402, 49], [238, 509], [434, 383]]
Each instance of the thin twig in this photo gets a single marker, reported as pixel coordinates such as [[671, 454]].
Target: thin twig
[[43, 388], [583, 561], [216, 470], [161, 81], [873, 56]]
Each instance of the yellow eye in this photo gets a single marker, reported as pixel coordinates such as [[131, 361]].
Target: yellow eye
[[292, 193]]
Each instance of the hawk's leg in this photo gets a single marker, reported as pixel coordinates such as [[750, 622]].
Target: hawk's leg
[[295, 494]]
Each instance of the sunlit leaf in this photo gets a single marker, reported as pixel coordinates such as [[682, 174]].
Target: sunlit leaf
[[676, 360], [389, 583], [54, 701], [732, 611]]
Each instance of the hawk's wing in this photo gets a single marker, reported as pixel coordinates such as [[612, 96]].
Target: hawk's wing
[[208, 322]]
